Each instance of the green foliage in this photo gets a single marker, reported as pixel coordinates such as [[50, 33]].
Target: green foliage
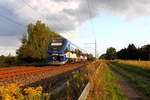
[[130, 53], [103, 56], [90, 57], [34, 45], [8, 60], [111, 54]]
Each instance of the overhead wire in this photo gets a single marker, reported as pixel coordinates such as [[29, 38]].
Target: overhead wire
[[41, 14], [90, 17], [11, 20], [78, 15], [92, 24], [48, 19]]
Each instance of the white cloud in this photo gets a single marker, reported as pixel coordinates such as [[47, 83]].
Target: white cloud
[[64, 16], [71, 35], [8, 50]]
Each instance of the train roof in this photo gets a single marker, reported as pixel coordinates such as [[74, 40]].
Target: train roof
[[62, 38]]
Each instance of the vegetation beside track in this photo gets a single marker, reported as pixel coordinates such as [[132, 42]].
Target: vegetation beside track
[[73, 90], [15, 92], [136, 82], [103, 84], [73, 87]]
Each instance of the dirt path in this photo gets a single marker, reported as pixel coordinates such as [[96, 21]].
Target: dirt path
[[131, 93]]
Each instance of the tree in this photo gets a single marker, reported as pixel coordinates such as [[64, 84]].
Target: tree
[[111, 53], [122, 54], [103, 56], [145, 52], [132, 51], [35, 45], [90, 57]]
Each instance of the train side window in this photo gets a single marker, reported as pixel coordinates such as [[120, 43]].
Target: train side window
[[67, 49]]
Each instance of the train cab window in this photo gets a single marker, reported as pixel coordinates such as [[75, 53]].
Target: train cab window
[[56, 44], [67, 49]]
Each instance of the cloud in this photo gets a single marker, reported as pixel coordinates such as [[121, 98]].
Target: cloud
[[71, 35], [66, 15], [7, 50], [62, 16]]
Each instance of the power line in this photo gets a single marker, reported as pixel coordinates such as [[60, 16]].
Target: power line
[[39, 13], [7, 18], [92, 26], [90, 16], [10, 20]]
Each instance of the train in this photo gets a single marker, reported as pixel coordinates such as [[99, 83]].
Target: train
[[62, 51]]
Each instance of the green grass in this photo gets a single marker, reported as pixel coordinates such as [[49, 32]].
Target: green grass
[[5, 66], [138, 70], [113, 89], [135, 81], [105, 86]]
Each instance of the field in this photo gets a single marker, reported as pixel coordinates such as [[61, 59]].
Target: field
[[136, 73], [109, 80], [143, 64]]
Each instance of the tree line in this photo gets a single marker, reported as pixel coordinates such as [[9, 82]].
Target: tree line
[[129, 53]]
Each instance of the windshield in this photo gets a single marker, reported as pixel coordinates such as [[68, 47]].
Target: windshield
[[56, 45]]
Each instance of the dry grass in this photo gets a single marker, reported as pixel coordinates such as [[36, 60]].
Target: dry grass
[[103, 84], [144, 64]]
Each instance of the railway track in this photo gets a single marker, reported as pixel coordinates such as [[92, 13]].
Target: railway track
[[6, 73]]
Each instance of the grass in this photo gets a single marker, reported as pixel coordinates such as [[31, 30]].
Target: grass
[[138, 70], [135, 81], [4, 66], [104, 85]]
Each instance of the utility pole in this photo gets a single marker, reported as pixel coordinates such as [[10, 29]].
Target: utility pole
[[95, 48]]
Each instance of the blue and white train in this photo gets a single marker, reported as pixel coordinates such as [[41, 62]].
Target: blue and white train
[[62, 51]]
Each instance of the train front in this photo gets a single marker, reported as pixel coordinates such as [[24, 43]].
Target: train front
[[56, 50]]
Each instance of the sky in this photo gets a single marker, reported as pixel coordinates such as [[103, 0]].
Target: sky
[[115, 23]]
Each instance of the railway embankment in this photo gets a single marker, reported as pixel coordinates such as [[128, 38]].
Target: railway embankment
[[29, 75]]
